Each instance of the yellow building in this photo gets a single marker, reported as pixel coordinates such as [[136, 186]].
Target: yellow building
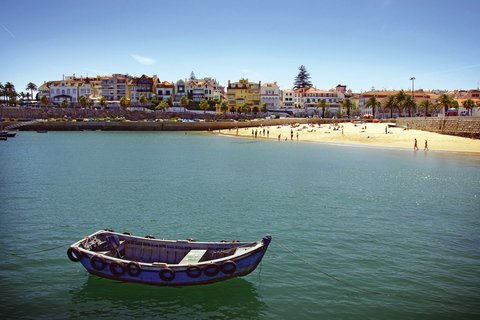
[[242, 92]]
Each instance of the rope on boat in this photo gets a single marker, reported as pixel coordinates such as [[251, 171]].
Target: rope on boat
[[362, 289], [21, 254]]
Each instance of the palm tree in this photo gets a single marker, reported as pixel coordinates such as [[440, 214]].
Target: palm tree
[[223, 106], [322, 104], [2, 90], [162, 106], [400, 99], [425, 105], [103, 102], [349, 105], [390, 104], [468, 104], [123, 103], [44, 99], [244, 108], [32, 87], [204, 105], [143, 101], [184, 102], [64, 103], [409, 104], [10, 91], [264, 108], [446, 101], [83, 102], [373, 102]]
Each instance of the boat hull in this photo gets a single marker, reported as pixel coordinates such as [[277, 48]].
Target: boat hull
[[165, 274]]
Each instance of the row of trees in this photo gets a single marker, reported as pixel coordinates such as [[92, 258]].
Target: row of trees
[[10, 95], [402, 101]]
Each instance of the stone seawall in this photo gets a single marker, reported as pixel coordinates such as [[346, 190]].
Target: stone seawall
[[148, 126], [457, 126]]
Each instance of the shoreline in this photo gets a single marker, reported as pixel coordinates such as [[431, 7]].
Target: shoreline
[[360, 134]]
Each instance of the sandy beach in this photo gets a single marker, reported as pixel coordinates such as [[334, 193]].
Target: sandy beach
[[371, 134]]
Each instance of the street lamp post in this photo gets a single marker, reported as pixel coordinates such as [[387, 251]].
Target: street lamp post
[[413, 89]]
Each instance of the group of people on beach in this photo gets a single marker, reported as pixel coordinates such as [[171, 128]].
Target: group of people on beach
[[415, 146]]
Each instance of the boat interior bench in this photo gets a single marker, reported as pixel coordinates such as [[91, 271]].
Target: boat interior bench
[[154, 254], [193, 256]]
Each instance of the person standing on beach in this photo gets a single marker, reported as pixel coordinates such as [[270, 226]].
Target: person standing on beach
[[426, 146], [415, 146], [291, 134]]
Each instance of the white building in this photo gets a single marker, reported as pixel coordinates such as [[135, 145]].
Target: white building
[[270, 95], [206, 88], [288, 97]]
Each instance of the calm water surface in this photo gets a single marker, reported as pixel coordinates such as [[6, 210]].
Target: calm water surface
[[386, 220]]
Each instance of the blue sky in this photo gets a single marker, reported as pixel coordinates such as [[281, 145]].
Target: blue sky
[[379, 43]]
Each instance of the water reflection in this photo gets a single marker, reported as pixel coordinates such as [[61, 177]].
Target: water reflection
[[98, 297]]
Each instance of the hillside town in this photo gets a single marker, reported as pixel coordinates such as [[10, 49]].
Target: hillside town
[[126, 92]]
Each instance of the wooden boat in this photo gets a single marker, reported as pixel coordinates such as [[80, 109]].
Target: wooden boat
[[165, 262], [7, 134]]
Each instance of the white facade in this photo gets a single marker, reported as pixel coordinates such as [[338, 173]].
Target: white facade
[[164, 91], [206, 88], [288, 97], [270, 95]]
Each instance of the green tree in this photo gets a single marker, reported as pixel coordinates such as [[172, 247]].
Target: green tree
[[223, 106], [426, 105], [373, 103], [302, 80], [244, 108], [143, 101], [400, 99], [44, 100], [264, 108], [32, 87], [162, 106], [349, 105], [204, 105], [64, 103], [327, 113], [446, 101], [184, 102], [322, 104], [153, 103], [123, 103], [10, 92], [192, 76], [390, 104], [409, 104], [103, 102], [82, 101]]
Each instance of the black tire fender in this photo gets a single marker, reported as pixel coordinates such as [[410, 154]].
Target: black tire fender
[[74, 254], [133, 269], [98, 259], [167, 274], [228, 267], [211, 269], [194, 271], [113, 268]]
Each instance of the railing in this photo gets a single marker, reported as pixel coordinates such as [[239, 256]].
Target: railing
[[17, 125]]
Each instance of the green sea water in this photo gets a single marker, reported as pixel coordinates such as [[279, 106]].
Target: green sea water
[[384, 220]]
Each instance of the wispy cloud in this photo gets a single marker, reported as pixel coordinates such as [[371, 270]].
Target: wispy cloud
[[143, 60], [250, 73], [7, 30]]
